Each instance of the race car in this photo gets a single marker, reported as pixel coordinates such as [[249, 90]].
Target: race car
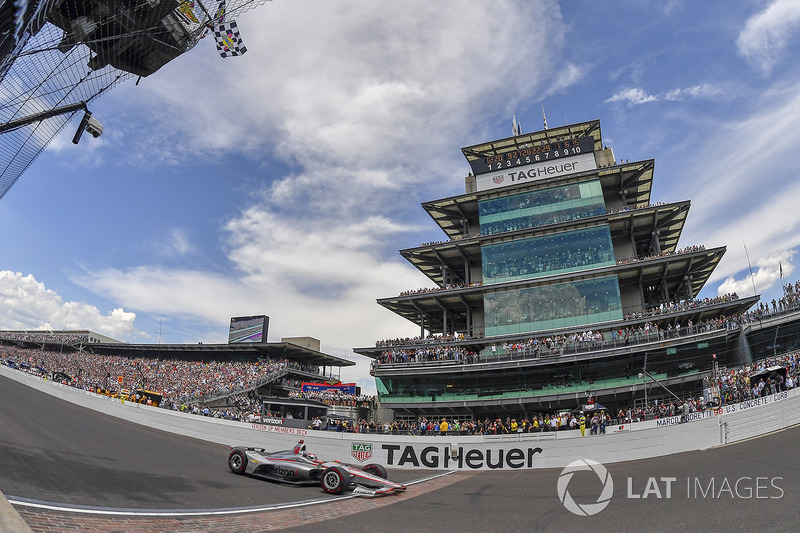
[[298, 467]]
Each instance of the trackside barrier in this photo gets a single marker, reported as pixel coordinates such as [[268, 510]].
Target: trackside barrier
[[639, 440]]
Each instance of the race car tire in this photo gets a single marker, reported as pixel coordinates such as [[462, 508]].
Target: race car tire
[[335, 480], [376, 470], [237, 461]]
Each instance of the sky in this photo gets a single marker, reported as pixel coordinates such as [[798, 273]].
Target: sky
[[284, 181]]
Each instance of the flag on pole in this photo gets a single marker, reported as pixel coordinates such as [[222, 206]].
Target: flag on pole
[[544, 118], [229, 43], [186, 9], [780, 265], [219, 16], [514, 125]]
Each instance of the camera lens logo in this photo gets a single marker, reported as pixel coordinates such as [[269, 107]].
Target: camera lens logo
[[587, 509]]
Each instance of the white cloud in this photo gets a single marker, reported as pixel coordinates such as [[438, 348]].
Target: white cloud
[[363, 103], [358, 86], [317, 281], [767, 272], [698, 91], [742, 183], [27, 304], [175, 242], [766, 34], [634, 96], [637, 96]]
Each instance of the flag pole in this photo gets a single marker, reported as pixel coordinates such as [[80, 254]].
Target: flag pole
[[752, 278]]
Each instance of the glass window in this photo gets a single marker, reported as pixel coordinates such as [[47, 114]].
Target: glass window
[[570, 304], [542, 207], [567, 251]]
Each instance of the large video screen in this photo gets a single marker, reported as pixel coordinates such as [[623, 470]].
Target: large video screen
[[248, 329]]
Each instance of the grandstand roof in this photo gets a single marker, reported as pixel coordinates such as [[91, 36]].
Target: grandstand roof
[[286, 350], [634, 179], [224, 351], [43, 335]]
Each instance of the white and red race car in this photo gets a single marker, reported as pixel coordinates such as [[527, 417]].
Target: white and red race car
[[296, 466]]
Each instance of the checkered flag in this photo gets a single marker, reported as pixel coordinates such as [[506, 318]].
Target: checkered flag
[[229, 43]]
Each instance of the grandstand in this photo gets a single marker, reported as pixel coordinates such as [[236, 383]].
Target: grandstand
[[76, 338], [560, 281], [211, 374]]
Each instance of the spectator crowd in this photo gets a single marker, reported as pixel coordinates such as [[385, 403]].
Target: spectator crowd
[[179, 381]]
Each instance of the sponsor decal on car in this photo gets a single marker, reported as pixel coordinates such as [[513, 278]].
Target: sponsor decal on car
[[285, 472], [362, 451]]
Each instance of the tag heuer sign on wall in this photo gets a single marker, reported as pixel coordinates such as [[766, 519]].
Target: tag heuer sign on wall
[[362, 451]]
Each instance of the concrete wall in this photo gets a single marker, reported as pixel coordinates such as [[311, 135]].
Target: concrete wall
[[641, 440]]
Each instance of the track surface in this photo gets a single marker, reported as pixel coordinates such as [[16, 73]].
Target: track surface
[[528, 500], [55, 451]]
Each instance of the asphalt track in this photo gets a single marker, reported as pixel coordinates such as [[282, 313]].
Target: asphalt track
[[53, 451]]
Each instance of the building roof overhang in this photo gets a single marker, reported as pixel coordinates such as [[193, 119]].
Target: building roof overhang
[[695, 314], [641, 224], [676, 272], [509, 144], [631, 182], [254, 350]]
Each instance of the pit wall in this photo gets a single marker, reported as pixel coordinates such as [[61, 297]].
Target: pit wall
[[640, 440]]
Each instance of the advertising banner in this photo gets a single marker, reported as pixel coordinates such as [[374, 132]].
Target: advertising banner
[[537, 171]]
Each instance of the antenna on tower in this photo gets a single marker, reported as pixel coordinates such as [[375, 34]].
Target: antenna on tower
[[544, 118], [160, 321]]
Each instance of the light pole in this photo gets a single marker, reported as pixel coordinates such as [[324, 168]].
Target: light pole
[[645, 374]]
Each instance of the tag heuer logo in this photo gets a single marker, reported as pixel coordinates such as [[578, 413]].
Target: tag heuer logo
[[498, 179], [362, 451]]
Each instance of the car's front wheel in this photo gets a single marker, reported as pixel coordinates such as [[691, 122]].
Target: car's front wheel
[[237, 461], [376, 470], [335, 480]]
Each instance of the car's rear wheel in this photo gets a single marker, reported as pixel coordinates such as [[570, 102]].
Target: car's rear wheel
[[335, 480], [237, 461], [376, 470]]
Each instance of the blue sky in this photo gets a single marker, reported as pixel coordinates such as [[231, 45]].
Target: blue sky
[[284, 181]]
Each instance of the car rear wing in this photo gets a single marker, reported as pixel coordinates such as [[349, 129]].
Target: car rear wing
[[248, 448]]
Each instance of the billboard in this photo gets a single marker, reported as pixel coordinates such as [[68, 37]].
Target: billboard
[[248, 329], [530, 154], [538, 171]]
